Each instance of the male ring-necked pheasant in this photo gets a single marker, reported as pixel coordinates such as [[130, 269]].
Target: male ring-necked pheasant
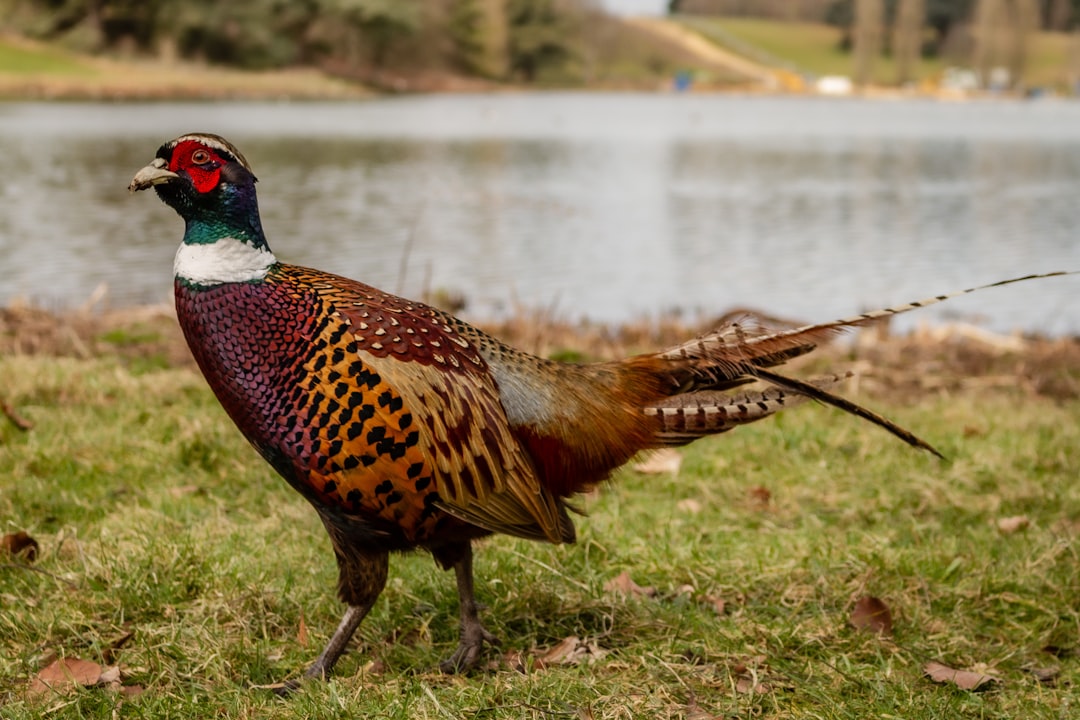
[[407, 428]]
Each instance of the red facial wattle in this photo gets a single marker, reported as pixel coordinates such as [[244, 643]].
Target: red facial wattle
[[199, 162]]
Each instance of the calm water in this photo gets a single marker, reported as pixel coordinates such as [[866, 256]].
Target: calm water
[[606, 206]]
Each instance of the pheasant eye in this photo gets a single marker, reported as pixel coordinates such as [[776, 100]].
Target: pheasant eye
[[200, 156]]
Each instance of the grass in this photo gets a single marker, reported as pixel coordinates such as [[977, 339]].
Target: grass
[[23, 58], [157, 520], [813, 48]]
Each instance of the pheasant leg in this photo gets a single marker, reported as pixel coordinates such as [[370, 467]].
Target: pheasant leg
[[361, 579], [473, 632]]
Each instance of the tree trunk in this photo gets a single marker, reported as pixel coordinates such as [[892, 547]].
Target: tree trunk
[[907, 43], [869, 15]]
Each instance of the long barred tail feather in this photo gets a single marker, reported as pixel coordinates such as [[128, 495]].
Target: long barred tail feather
[[733, 344], [686, 417], [740, 353]]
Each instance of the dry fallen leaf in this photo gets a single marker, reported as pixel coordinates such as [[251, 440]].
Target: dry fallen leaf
[[626, 586], [17, 420], [717, 603], [872, 614], [374, 667], [571, 650], [760, 495], [747, 685], [696, 712], [689, 505], [514, 659], [746, 664], [963, 679], [19, 543], [64, 674], [301, 632], [1010, 525], [109, 675], [660, 462]]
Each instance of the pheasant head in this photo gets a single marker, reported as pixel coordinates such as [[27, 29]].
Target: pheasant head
[[211, 186]]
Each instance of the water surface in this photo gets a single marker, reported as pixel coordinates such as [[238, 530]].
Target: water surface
[[607, 206]]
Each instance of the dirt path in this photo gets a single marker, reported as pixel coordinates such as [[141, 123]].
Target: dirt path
[[703, 49]]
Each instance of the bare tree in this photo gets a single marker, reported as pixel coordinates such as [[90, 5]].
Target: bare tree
[[1058, 15], [989, 28], [907, 38], [1003, 30], [1072, 71], [869, 18], [1024, 21]]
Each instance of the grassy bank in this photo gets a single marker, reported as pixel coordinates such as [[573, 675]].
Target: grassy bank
[[813, 48], [169, 550], [31, 70]]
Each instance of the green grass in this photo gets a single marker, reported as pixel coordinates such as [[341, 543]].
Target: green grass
[[807, 48], [169, 527], [20, 59], [813, 48]]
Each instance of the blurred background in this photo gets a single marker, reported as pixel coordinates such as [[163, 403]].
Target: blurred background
[[608, 161]]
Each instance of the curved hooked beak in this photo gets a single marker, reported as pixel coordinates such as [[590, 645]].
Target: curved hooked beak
[[156, 173]]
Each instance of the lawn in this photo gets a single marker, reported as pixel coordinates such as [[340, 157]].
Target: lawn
[[23, 58], [170, 551], [813, 49]]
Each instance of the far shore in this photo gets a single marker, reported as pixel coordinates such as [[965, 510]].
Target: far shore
[[107, 79]]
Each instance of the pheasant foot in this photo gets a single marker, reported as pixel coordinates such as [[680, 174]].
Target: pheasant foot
[[473, 637], [473, 632]]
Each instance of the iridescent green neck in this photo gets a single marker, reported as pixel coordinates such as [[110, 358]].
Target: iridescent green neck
[[233, 214]]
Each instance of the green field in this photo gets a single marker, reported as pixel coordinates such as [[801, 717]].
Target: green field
[[168, 549], [22, 59], [813, 49]]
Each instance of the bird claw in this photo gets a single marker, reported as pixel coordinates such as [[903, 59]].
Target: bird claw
[[468, 650], [287, 688]]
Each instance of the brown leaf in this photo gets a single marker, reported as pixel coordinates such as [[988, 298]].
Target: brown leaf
[[515, 659], [963, 679], [872, 615], [1010, 525], [660, 462], [570, 650], [64, 674], [624, 585], [19, 543], [696, 712], [746, 664], [760, 495], [301, 632], [374, 667], [689, 505], [16, 419], [109, 675], [748, 685], [718, 605], [132, 690]]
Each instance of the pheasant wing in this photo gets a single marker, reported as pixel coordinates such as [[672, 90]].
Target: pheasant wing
[[483, 475]]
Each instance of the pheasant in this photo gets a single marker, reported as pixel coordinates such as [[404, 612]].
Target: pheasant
[[407, 428]]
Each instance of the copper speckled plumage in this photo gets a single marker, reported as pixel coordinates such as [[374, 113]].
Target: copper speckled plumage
[[407, 428]]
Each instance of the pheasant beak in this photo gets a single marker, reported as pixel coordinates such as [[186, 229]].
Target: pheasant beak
[[156, 173]]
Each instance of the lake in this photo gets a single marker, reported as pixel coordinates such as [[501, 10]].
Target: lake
[[606, 206]]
